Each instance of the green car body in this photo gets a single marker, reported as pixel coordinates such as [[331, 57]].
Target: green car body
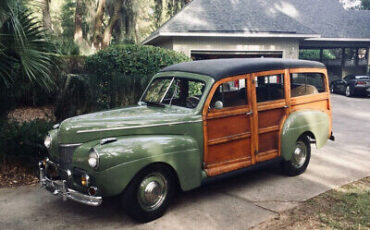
[[147, 135]]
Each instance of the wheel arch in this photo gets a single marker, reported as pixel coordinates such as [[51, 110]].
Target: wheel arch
[[164, 165], [311, 123]]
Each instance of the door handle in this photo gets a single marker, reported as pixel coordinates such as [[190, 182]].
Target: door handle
[[249, 113]]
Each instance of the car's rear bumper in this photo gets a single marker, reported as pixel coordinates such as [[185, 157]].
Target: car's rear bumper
[[60, 188], [362, 89]]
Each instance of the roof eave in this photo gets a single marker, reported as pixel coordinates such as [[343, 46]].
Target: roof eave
[[339, 39], [240, 35]]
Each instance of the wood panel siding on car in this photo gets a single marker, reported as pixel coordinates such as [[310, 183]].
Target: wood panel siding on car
[[233, 140]]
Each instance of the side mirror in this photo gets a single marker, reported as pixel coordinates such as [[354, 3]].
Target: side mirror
[[219, 105]]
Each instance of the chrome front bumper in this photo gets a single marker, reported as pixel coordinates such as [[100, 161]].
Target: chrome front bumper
[[60, 188]]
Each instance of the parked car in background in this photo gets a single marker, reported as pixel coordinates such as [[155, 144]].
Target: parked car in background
[[351, 85], [195, 121]]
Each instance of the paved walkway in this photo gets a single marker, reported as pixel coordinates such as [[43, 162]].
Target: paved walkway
[[236, 203]]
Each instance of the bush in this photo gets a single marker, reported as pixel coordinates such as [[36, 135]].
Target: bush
[[123, 71], [23, 142]]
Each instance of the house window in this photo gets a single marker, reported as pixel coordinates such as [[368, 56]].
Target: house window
[[269, 88], [306, 83]]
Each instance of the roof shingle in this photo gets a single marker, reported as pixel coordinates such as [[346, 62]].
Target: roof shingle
[[327, 18]]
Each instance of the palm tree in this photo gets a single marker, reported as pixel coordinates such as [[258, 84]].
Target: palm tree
[[25, 51]]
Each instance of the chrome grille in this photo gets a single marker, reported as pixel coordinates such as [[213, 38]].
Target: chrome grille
[[65, 156]]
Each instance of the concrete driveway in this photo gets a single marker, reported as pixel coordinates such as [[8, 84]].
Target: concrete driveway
[[234, 203]]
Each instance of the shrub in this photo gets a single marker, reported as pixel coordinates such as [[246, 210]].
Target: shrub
[[123, 71], [23, 142]]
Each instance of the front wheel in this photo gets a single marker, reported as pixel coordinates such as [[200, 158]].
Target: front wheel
[[300, 158], [149, 194], [332, 90]]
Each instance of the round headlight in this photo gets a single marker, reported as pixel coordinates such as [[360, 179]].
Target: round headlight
[[47, 141], [93, 159]]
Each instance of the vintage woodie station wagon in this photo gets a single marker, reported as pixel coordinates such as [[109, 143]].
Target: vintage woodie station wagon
[[195, 121]]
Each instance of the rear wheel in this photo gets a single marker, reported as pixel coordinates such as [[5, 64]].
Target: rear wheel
[[149, 194], [348, 91], [300, 157]]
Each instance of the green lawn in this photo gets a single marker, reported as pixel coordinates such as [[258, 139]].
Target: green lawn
[[347, 207]]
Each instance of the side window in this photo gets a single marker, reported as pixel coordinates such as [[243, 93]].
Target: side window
[[349, 77], [230, 94], [184, 92], [306, 84], [270, 88]]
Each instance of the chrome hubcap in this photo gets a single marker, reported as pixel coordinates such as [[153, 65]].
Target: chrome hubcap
[[152, 191], [299, 155]]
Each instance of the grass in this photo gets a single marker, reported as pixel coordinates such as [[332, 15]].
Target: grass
[[350, 207], [347, 207]]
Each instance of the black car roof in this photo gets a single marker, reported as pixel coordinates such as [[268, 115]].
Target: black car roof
[[221, 68]]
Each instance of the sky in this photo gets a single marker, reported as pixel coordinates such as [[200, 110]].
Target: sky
[[350, 3]]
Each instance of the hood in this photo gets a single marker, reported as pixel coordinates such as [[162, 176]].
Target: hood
[[120, 122]]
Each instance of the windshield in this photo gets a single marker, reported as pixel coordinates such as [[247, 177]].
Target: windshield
[[174, 91]]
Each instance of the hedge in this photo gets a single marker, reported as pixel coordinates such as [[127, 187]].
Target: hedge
[[115, 77]]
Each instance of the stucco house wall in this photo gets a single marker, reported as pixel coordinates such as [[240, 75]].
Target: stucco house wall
[[289, 47]]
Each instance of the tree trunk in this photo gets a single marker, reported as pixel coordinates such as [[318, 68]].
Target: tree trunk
[[184, 3], [98, 23], [78, 34], [46, 19], [158, 9], [130, 21], [112, 21]]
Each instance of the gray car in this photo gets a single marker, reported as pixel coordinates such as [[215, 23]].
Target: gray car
[[352, 85]]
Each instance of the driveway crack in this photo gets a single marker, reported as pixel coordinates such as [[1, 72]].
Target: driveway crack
[[250, 201]]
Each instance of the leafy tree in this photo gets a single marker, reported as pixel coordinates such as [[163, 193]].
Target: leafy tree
[[365, 4]]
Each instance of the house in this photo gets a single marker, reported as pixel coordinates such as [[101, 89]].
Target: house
[[207, 29]]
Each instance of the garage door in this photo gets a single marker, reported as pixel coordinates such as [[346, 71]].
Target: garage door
[[202, 55]]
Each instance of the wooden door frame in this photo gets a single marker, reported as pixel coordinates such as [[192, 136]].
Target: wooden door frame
[[225, 112], [268, 105]]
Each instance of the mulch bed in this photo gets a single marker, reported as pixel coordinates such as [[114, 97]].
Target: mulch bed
[[27, 114], [13, 176]]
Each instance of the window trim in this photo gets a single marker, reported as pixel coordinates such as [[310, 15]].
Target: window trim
[[271, 73], [223, 81], [173, 78], [309, 70]]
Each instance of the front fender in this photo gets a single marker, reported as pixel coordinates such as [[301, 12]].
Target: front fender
[[121, 160], [316, 122]]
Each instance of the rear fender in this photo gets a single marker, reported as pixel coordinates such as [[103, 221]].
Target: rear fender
[[300, 122]]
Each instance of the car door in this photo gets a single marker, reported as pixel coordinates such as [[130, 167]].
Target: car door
[[228, 125], [271, 109]]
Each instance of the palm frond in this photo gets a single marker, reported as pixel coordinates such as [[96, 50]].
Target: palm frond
[[23, 41]]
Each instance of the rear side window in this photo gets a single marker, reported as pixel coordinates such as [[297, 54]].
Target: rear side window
[[306, 83], [269, 88]]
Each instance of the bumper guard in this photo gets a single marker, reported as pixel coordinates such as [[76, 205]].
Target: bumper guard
[[60, 188]]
